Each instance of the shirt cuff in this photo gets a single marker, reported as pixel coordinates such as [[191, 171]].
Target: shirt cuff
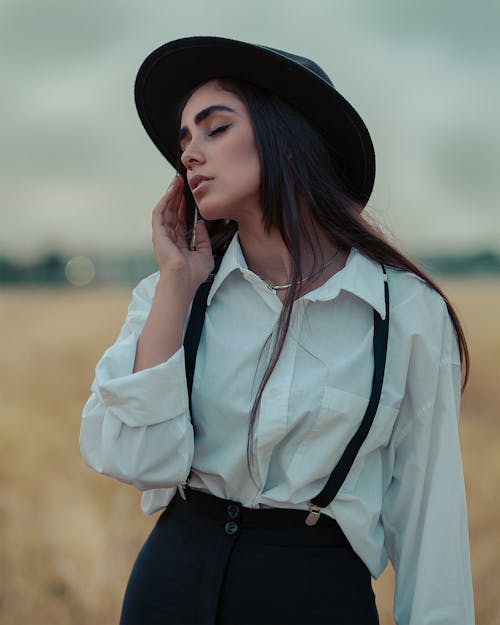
[[145, 397]]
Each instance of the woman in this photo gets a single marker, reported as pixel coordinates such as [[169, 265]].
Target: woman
[[297, 447]]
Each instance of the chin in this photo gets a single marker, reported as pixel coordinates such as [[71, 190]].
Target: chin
[[212, 215], [234, 208], [212, 211]]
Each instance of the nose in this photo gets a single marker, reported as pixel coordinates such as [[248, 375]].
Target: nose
[[192, 156]]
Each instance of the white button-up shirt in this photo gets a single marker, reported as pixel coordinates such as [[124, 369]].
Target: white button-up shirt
[[404, 496]]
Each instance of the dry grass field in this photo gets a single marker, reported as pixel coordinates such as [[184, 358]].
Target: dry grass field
[[69, 536]]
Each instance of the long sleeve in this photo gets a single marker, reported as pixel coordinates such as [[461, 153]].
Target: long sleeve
[[136, 427], [424, 508]]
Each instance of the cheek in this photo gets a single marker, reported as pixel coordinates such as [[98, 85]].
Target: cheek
[[246, 159]]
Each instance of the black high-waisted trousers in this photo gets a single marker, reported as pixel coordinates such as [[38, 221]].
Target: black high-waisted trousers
[[209, 560]]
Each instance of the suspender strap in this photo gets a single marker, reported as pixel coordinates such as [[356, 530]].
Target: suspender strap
[[193, 333], [192, 337], [339, 473], [195, 326], [380, 336]]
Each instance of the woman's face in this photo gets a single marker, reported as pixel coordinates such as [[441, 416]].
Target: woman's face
[[217, 143]]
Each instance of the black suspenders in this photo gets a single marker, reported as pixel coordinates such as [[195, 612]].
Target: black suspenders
[[193, 333], [380, 335], [339, 473]]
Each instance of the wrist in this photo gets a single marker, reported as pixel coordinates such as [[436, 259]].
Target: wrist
[[175, 287]]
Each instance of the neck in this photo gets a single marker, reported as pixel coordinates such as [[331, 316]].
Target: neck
[[268, 257], [266, 254]]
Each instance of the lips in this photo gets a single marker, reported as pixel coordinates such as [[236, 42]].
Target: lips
[[196, 180]]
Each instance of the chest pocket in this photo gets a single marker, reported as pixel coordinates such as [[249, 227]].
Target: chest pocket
[[337, 420]]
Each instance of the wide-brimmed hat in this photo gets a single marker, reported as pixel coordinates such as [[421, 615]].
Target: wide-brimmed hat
[[169, 73]]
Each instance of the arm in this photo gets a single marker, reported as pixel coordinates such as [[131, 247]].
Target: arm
[[424, 508], [182, 270], [136, 425]]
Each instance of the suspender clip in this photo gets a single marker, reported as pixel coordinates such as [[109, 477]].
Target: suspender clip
[[182, 490], [313, 516]]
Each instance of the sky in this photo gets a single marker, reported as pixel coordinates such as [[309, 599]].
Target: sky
[[79, 175]]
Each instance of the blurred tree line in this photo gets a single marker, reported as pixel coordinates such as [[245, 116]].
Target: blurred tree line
[[50, 268]]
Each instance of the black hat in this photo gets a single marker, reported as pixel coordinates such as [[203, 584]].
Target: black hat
[[175, 68]]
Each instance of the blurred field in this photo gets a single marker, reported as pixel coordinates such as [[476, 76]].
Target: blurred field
[[69, 536]]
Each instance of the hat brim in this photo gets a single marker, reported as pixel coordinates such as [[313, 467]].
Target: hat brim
[[174, 69]]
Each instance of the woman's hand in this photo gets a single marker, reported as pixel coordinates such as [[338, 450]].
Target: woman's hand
[[174, 258], [182, 270]]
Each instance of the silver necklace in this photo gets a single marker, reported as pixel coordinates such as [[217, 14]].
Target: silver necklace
[[279, 287]]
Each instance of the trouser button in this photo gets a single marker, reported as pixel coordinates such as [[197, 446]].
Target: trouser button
[[233, 510], [231, 527]]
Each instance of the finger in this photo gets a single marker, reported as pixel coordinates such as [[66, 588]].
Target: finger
[[162, 213], [203, 244], [161, 220], [174, 192], [192, 242], [181, 214], [159, 209], [157, 215], [169, 208], [180, 230]]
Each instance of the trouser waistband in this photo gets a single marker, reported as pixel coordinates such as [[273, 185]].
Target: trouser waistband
[[233, 516]]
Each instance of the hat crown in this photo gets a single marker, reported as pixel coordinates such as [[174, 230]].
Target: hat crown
[[304, 62]]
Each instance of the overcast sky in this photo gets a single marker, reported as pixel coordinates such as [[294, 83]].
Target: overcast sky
[[80, 175]]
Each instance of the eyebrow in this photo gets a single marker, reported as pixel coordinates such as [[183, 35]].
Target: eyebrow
[[203, 114]]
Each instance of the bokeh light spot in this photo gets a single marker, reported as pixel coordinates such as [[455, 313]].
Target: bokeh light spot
[[80, 271]]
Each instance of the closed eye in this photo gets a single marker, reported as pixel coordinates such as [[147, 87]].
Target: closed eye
[[213, 132], [218, 129]]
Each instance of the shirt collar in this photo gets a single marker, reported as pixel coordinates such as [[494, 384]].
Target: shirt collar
[[360, 276], [232, 260]]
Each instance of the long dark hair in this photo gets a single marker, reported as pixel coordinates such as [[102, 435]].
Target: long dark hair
[[295, 162]]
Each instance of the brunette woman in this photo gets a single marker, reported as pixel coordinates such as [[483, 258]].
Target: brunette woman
[[286, 386]]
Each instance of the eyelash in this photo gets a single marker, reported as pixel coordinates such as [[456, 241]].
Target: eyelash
[[218, 129], [215, 131]]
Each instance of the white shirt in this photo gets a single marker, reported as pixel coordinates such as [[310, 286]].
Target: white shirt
[[404, 497]]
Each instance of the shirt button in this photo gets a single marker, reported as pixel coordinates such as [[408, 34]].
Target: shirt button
[[231, 528], [233, 511]]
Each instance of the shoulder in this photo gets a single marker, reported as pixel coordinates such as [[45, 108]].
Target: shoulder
[[414, 299], [408, 289], [419, 314]]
